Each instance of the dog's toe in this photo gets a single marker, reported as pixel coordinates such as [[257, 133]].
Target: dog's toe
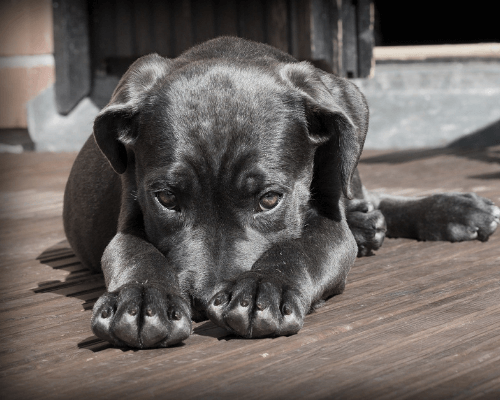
[[165, 319], [141, 317], [103, 315], [126, 322], [256, 307], [488, 222]]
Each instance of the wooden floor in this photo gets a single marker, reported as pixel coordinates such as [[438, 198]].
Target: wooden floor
[[418, 320]]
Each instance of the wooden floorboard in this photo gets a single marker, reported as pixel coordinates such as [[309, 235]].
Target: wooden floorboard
[[417, 320]]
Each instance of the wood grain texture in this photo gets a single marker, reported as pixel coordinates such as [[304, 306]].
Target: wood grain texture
[[349, 40], [417, 320], [277, 24], [365, 14], [104, 31], [313, 30], [183, 36], [71, 53], [251, 20], [300, 25], [203, 15], [143, 13], [125, 29], [226, 17]]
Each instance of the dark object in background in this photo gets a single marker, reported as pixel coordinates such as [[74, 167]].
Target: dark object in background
[[96, 39], [71, 53], [337, 35], [427, 22]]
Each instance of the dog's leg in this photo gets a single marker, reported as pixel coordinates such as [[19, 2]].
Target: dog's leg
[[451, 217], [274, 296], [142, 307]]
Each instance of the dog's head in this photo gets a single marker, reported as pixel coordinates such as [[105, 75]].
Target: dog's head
[[223, 159]]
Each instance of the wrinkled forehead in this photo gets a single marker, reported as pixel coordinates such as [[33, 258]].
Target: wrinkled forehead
[[223, 114], [225, 99]]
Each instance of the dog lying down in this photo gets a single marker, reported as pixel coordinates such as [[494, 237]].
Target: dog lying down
[[222, 184]]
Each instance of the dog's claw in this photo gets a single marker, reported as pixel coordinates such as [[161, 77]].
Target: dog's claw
[[244, 303], [176, 315], [133, 311], [137, 316]]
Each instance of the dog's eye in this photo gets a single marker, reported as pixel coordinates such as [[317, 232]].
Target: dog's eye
[[167, 199], [269, 201]]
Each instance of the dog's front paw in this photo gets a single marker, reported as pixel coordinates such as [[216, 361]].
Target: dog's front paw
[[367, 226], [456, 217], [258, 306], [141, 316]]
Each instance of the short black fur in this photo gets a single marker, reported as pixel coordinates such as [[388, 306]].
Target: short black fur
[[222, 184]]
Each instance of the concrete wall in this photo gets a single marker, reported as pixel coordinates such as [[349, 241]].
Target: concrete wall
[[432, 104], [26, 56]]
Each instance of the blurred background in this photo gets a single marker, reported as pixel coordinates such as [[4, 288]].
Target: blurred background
[[430, 70]]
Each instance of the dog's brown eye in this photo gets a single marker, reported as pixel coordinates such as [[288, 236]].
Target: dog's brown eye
[[167, 199], [269, 201]]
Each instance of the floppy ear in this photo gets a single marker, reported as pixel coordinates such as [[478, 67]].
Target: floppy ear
[[116, 124], [337, 119]]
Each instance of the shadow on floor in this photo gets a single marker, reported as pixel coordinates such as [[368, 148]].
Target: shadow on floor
[[493, 175], [84, 285], [80, 283], [474, 146], [208, 328]]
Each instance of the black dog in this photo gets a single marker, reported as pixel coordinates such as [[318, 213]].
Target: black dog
[[223, 184]]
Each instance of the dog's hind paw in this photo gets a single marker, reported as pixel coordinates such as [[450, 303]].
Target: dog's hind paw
[[457, 217], [256, 306], [367, 226], [141, 316]]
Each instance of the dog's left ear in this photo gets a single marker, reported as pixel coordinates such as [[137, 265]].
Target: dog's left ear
[[116, 125], [336, 113]]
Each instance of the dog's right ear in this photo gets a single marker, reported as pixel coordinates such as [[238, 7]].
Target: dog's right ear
[[337, 118], [116, 125]]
